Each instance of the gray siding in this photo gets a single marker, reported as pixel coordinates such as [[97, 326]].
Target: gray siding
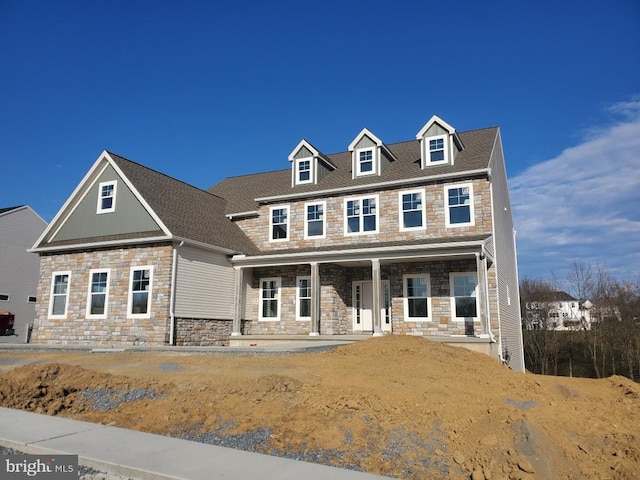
[[434, 130], [129, 216], [365, 142], [506, 263], [204, 285], [304, 152], [19, 269]]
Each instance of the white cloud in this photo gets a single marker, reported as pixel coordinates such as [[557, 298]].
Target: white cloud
[[583, 204]]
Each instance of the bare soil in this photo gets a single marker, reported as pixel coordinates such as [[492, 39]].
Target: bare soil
[[399, 406]]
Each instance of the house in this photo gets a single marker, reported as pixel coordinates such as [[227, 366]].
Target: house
[[560, 311], [20, 227], [410, 238]]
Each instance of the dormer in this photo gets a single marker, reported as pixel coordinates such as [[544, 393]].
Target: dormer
[[439, 143], [308, 165], [369, 156]]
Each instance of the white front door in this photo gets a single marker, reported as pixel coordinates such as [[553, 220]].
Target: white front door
[[362, 306]]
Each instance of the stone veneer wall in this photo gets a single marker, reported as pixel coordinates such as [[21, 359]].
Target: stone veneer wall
[[203, 332], [116, 328]]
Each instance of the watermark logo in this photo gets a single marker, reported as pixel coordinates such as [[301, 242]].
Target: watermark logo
[[43, 467]]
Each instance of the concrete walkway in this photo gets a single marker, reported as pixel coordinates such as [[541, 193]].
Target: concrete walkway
[[145, 456]]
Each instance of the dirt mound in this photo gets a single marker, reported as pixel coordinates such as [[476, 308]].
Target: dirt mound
[[396, 405]]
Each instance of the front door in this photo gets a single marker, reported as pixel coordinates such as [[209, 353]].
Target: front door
[[363, 307]]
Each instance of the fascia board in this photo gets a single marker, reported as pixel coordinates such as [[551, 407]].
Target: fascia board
[[108, 243]]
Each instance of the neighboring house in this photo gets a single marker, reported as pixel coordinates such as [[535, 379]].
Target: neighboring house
[[559, 312], [20, 227], [412, 238]]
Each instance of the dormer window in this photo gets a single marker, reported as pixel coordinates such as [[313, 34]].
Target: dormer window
[[439, 143], [437, 150], [303, 167], [366, 164], [107, 197], [369, 155], [308, 164]]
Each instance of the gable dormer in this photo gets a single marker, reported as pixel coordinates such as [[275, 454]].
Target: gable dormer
[[439, 143], [369, 156], [308, 164]]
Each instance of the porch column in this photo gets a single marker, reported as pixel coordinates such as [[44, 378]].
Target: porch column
[[376, 285], [315, 300], [239, 301], [481, 269]]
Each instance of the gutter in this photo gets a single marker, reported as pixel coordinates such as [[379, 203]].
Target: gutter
[[172, 294]]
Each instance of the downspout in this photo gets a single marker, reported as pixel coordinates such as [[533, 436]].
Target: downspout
[[481, 266], [172, 296]]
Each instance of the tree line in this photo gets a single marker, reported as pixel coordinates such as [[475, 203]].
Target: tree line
[[604, 341]]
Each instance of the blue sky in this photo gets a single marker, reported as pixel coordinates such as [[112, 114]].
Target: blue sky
[[204, 90]]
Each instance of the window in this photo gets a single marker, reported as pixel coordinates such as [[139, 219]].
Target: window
[[269, 299], [98, 293], [459, 205], [304, 170], [59, 295], [4, 297], [279, 223], [303, 301], [361, 215], [412, 212], [107, 197], [365, 159], [31, 299], [314, 220], [437, 149], [463, 295], [140, 292], [417, 304]]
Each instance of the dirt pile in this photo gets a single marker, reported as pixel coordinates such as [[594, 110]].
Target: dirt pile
[[396, 405]]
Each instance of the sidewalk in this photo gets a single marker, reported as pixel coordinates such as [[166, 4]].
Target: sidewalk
[[146, 456]]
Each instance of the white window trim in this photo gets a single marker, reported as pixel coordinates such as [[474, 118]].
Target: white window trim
[[51, 296], [452, 275], [279, 207], [130, 292], [298, 297], [278, 280], [297, 170], [106, 294], [362, 232], [447, 208], [426, 151], [324, 220], [374, 161], [99, 208], [405, 299], [401, 210]]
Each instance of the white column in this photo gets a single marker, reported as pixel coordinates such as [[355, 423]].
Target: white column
[[239, 301], [481, 271], [377, 290], [315, 300]]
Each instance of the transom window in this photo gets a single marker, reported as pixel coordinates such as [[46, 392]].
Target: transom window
[[269, 299], [412, 212], [304, 170], [365, 159], [98, 292], [303, 303], [459, 208], [417, 301], [107, 197], [361, 215], [140, 292], [279, 223], [314, 220], [463, 295], [59, 294]]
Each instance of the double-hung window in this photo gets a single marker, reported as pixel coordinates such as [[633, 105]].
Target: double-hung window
[[459, 205], [107, 197], [412, 211], [59, 295], [303, 298], [365, 158], [436, 150], [417, 301], [279, 223], [270, 299], [303, 171], [98, 293], [314, 220], [361, 215], [140, 284], [464, 288]]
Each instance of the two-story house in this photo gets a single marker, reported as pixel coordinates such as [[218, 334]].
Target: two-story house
[[412, 238], [560, 311]]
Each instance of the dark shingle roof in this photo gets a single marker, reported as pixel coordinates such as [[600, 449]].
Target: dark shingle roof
[[242, 191], [187, 211]]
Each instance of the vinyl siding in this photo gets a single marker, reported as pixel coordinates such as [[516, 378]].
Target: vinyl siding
[[204, 285]]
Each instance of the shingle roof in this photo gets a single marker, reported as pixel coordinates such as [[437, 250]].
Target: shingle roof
[[187, 211], [5, 210], [241, 191]]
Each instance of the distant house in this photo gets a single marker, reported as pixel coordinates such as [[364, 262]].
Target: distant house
[[409, 238], [560, 311], [20, 227]]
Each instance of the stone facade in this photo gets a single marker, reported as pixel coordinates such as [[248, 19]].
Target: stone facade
[[202, 332]]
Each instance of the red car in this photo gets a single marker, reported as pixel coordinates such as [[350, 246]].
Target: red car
[[6, 323]]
